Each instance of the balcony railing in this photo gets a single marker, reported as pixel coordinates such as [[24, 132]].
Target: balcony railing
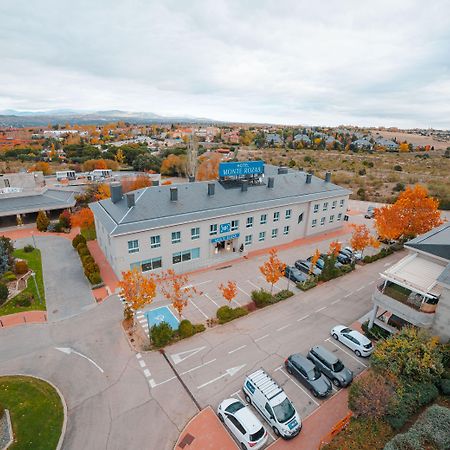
[[407, 297]]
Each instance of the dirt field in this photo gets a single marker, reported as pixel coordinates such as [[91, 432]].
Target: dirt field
[[401, 136]]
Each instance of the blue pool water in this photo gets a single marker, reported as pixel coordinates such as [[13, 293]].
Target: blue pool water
[[161, 314]]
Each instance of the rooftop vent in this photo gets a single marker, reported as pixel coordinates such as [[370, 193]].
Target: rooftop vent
[[308, 178], [270, 182], [282, 170], [155, 182], [211, 189], [244, 186], [327, 177], [173, 194], [116, 192], [191, 179], [130, 200]]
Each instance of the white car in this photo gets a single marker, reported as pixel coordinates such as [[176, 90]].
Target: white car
[[242, 423], [360, 344]]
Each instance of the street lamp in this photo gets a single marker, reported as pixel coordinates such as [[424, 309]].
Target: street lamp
[[33, 274], [32, 236]]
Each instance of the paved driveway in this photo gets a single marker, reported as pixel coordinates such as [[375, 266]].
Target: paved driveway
[[67, 290]]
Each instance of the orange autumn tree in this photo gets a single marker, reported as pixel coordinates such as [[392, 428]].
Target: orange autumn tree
[[175, 288], [103, 191], [134, 183], [84, 218], [314, 259], [335, 248], [137, 290], [361, 238], [273, 269], [229, 291], [208, 168]]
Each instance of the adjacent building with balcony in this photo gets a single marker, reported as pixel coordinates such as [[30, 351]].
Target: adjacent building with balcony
[[416, 290]]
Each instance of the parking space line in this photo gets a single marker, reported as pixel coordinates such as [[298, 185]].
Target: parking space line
[[237, 349], [238, 395], [198, 367], [147, 373], [261, 338], [283, 327], [138, 356], [253, 284], [360, 289], [234, 300], [320, 309], [348, 295], [209, 298], [262, 278], [281, 369], [204, 315], [372, 282], [242, 290], [196, 284], [336, 301], [349, 354], [153, 384], [304, 317], [142, 363]]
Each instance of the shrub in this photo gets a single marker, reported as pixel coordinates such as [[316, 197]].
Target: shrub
[[57, 227], [362, 172], [346, 268], [375, 332], [78, 239], [95, 278], [21, 267], [161, 334], [306, 285], [42, 221], [226, 314], [8, 276], [24, 299], [199, 327], [444, 386], [398, 168], [28, 248], [87, 259], [3, 293], [91, 268], [64, 219], [261, 298], [186, 329], [282, 295]]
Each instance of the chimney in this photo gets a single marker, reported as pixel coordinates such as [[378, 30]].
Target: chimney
[[155, 182], [173, 194], [116, 192], [191, 179], [308, 178], [282, 170], [244, 186], [130, 200], [211, 189], [327, 177], [270, 182]]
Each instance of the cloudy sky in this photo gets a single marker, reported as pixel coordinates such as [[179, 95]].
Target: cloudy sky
[[295, 62]]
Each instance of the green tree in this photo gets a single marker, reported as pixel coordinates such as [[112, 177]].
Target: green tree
[[42, 221], [143, 163]]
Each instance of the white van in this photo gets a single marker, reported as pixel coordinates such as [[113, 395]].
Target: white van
[[270, 400]]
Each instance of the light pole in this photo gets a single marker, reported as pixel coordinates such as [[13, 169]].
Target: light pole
[[34, 242], [33, 274]]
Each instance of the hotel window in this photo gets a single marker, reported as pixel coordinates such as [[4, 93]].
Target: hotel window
[[286, 229], [322, 221], [316, 207], [248, 239], [300, 218], [263, 219], [176, 237], [331, 218], [333, 206], [325, 206], [276, 216], [148, 265], [133, 246], [155, 241], [213, 229], [234, 225], [339, 217], [187, 255], [249, 222], [195, 233], [341, 203], [288, 213], [274, 233], [262, 236], [314, 223]]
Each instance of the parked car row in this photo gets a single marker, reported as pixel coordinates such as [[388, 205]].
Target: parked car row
[[316, 371]]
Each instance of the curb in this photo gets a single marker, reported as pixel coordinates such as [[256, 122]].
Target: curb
[[63, 401], [10, 430]]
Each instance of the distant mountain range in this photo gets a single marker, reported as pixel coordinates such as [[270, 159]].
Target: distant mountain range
[[10, 117]]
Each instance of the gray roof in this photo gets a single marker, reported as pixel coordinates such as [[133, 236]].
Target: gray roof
[[436, 242], [444, 277], [153, 208], [48, 199]]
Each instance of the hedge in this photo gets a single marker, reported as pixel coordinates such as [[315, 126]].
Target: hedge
[[444, 386], [28, 248], [90, 268], [78, 239], [264, 298], [161, 334], [226, 314], [381, 254], [306, 285]]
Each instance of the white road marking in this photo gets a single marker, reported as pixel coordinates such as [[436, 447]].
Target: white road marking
[[242, 290], [254, 285], [142, 363], [198, 367], [320, 309], [204, 315], [304, 317], [284, 327], [237, 303], [345, 351], [147, 373], [372, 282], [68, 351], [237, 349], [348, 295], [196, 284], [360, 289], [336, 301], [178, 357], [281, 369], [138, 356], [232, 371], [262, 278], [261, 338], [387, 264], [209, 298], [153, 384]]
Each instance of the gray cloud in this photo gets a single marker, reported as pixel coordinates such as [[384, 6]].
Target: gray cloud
[[285, 61]]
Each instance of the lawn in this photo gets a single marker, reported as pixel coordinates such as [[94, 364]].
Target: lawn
[[36, 412], [34, 262]]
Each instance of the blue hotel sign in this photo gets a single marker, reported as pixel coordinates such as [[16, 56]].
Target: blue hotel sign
[[225, 228], [225, 238], [234, 169]]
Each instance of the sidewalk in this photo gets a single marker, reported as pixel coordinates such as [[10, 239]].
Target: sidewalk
[[23, 232], [11, 320]]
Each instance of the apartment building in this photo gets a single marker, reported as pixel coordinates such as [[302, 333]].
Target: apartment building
[[200, 224]]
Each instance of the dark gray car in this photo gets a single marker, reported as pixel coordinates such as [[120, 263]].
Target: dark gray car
[[306, 267], [308, 374], [330, 366], [294, 274]]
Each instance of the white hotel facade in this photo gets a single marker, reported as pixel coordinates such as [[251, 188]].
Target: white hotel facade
[[199, 224]]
